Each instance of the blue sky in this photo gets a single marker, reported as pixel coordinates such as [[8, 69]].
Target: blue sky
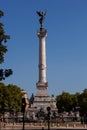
[[66, 24]]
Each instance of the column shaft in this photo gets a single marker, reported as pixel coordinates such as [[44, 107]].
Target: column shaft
[[42, 60]]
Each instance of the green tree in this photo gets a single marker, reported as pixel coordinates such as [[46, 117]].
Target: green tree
[[75, 100], [67, 101], [64, 101], [83, 102], [10, 97], [3, 49]]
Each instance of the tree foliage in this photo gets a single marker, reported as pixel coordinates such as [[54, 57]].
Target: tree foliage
[[83, 102], [10, 97], [72, 102], [64, 101], [3, 49]]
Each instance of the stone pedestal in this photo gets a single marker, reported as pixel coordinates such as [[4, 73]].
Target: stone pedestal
[[43, 102]]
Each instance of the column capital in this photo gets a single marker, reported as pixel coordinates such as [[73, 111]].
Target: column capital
[[42, 33]]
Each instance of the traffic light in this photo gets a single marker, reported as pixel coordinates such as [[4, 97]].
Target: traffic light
[[23, 105]]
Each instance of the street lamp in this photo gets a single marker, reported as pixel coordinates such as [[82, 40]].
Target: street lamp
[[48, 116]]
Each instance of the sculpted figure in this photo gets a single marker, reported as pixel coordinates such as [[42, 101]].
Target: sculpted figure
[[42, 16]]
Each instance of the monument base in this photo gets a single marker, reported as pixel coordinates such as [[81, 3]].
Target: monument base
[[42, 100], [41, 103]]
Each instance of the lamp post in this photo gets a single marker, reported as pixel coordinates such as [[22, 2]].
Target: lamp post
[[48, 117], [12, 115]]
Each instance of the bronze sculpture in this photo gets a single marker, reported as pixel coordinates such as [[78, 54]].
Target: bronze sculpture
[[42, 16]]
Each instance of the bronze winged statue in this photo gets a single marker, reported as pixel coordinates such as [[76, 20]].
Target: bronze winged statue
[[42, 16]]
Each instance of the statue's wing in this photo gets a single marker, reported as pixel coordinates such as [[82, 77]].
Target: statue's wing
[[39, 13]]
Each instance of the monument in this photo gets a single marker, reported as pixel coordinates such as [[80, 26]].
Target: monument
[[42, 99]]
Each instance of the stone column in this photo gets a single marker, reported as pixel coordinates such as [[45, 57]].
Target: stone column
[[42, 83]]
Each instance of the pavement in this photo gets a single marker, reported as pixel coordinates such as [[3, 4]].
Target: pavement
[[40, 128]]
